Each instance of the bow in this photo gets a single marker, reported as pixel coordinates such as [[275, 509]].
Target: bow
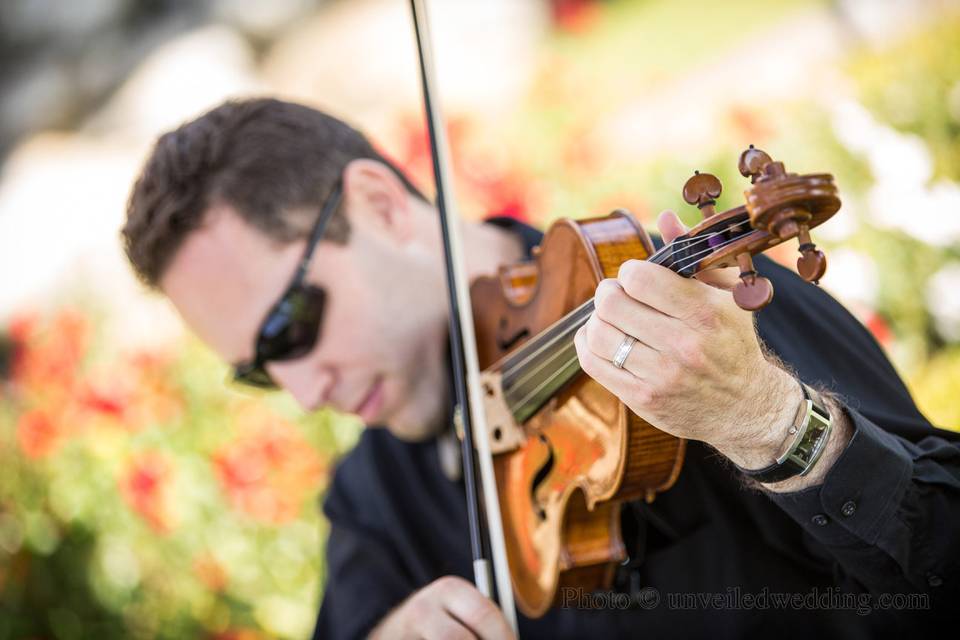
[[466, 370]]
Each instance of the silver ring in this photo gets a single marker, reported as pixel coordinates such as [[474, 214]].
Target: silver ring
[[623, 351]]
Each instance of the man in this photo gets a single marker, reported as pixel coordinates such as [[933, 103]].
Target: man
[[297, 252]]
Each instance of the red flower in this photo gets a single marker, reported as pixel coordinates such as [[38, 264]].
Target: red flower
[[879, 328], [210, 572], [269, 472], [576, 16], [750, 124], [98, 401], [37, 434], [144, 487], [48, 358], [237, 634], [22, 327]]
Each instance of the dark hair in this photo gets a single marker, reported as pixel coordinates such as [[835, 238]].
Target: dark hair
[[273, 161]]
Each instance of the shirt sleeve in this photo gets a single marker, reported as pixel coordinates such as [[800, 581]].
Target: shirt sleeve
[[888, 511], [887, 514], [364, 579], [362, 585]]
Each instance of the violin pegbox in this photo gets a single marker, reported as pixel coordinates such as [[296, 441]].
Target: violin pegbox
[[779, 206], [753, 292], [788, 205]]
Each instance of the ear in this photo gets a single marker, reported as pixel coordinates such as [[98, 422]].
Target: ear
[[377, 199]]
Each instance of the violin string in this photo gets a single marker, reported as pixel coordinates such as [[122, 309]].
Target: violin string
[[554, 338], [691, 260], [670, 247], [656, 258], [570, 318], [520, 384], [551, 377]]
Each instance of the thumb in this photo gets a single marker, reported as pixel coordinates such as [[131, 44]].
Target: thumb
[[671, 228]]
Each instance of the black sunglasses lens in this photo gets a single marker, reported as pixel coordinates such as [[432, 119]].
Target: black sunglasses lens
[[293, 328]]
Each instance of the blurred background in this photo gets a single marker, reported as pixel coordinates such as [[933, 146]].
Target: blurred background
[[141, 497]]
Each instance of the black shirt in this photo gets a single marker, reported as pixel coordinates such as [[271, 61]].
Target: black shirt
[[873, 551]]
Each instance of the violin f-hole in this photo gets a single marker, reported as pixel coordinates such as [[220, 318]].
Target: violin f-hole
[[541, 475], [505, 343]]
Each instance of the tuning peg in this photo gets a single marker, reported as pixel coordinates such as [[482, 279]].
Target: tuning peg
[[753, 292], [752, 163], [703, 189], [812, 263]]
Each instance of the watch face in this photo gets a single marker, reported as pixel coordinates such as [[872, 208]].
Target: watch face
[[813, 431], [812, 442]]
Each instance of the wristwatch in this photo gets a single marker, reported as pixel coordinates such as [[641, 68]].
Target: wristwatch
[[811, 431]]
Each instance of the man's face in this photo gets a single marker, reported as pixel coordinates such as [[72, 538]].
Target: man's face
[[382, 346]]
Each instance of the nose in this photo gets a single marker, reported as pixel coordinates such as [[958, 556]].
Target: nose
[[310, 384]]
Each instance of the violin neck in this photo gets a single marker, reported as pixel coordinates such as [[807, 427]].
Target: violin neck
[[543, 365]]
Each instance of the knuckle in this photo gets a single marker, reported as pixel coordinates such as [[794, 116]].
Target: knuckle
[[477, 613], [670, 372], [587, 363], [449, 583], [421, 605], [632, 274], [605, 298], [645, 396], [592, 333], [689, 350], [706, 316]]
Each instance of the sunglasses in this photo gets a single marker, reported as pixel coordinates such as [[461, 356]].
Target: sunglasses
[[293, 325]]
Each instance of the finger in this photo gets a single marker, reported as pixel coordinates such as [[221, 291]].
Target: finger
[[726, 278], [663, 290], [604, 340], [475, 611], [616, 381], [615, 306], [670, 226], [444, 626]]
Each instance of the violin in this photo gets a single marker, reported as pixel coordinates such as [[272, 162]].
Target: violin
[[553, 454], [567, 453]]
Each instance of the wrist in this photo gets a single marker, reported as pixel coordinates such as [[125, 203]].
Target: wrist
[[837, 441], [762, 438]]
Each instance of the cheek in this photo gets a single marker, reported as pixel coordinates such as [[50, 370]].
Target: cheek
[[360, 327]]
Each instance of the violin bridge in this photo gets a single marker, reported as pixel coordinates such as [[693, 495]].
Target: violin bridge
[[504, 434]]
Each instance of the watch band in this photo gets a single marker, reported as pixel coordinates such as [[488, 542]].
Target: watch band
[[812, 430]]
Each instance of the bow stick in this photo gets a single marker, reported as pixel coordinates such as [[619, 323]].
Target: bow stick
[[463, 346]]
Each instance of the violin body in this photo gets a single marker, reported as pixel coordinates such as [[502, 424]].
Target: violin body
[[578, 458]]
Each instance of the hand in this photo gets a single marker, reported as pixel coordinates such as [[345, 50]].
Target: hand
[[449, 608], [697, 369]]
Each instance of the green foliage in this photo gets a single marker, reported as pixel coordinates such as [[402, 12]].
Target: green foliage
[[142, 499], [914, 85]]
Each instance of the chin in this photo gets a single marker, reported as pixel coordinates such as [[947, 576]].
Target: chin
[[412, 432], [420, 418], [414, 426]]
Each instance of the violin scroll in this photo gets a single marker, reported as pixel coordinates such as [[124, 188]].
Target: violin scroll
[[779, 206]]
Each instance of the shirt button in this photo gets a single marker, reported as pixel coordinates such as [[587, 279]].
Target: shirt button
[[848, 508], [934, 580], [820, 520]]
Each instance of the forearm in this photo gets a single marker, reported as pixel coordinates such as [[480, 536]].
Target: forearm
[[761, 447], [757, 443]]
